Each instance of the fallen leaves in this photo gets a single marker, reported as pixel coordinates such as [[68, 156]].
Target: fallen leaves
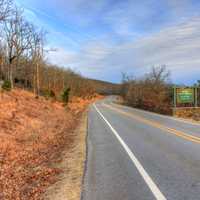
[[188, 113], [33, 133]]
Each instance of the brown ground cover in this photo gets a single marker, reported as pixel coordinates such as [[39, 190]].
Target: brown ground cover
[[33, 134]]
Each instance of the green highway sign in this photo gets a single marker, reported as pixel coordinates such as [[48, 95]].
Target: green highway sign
[[185, 95]]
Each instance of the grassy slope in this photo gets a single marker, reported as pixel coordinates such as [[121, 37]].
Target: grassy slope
[[33, 134]]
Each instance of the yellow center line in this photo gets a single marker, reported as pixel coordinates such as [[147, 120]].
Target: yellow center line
[[158, 125]]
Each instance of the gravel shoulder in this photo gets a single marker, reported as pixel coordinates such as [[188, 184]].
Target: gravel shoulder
[[68, 186]]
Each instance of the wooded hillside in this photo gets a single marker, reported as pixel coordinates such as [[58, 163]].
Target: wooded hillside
[[23, 62], [105, 88]]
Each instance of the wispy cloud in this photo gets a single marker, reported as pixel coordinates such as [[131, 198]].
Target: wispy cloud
[[177, 47], [102, 38]]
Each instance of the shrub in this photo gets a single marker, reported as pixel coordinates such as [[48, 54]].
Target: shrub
[[52, 94], [65, 95], [6, 85], [49, 94]]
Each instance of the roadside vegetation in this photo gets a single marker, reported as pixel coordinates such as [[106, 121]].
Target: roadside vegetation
[[23, 62], [153, 92], [33, 135], [40, 107]]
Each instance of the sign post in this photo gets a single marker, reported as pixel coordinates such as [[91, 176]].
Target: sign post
[[174, 109], [175, 97], [196, 97]]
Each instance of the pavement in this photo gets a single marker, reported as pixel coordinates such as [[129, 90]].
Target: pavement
[[138, 155]]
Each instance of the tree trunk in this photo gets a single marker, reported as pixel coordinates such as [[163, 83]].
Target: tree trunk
[[34, 83], [37, 79], [11, 75]]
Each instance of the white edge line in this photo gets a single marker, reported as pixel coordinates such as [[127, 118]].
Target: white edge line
[[152, 186]]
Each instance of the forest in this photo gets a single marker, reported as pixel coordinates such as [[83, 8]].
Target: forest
[[23, 62]]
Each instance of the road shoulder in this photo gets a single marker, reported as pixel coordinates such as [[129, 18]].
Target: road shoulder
[[69, 184]]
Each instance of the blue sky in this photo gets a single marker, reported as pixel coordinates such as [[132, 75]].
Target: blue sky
[[103, 38]]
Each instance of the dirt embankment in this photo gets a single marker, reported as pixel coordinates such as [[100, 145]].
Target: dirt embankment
[[33, 135], [188, 113]]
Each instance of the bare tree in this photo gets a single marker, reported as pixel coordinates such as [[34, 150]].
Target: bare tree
[[159, 74], [18, 39], [152, 92], [2, 62], [5, 9], [37, 49], [22, 59]]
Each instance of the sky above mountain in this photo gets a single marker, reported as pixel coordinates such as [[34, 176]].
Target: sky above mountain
[[103, 38]]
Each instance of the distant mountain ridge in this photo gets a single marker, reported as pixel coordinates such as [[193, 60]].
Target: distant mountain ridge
[[105, 87]]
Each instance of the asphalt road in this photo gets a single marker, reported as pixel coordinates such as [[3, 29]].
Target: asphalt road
[[138, 155]]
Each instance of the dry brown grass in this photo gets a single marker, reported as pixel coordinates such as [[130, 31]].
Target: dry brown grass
[[33, 133], [68, 186]]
